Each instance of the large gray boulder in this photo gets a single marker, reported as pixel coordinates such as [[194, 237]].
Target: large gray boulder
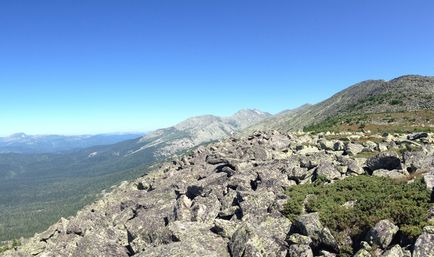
[[248, 240], [353, 149], [300, 251], [393, 174], [418, 161], [386, 160], [418, 135], [190, 239], [310, 225], [328, 171], [382, 234], [299, 174], [429, 181], [424, 246], [395, 251]]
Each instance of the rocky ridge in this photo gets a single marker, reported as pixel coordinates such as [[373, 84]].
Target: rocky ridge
[[228, 198], [403, 94], [197, 130]]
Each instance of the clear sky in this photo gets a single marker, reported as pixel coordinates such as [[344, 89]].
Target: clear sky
[[76, 66]]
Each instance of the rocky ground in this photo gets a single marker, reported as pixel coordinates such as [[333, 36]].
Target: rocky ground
[[227, 199]]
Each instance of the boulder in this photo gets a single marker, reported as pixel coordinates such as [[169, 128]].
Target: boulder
[[307, 150], [386, 160], [424, 246], [102, 243], [300, 251], [354, 167], [429, 181], [260, 154], [328, 171], [382, 234], [353, 149], [326, 144], [362, 253], [298, 239], [383, 147], [418, 135], [395, 251], [298, 174], [189, 239], [310, 225], [182, 208], [393, 174], [273, 179], [370, 146], [255, 204], [205, 209], [418, 161], [338, 146], [312, 161], [224, 228], [245, 242], [325, 253], [215, 159]]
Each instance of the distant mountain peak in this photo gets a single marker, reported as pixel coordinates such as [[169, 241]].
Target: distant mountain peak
[[249, 111], [200, 129], [18, 135]]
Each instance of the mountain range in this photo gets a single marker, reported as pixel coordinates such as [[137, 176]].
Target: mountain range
[[46, 186], [23, 143], [33, 186], [337, 189]]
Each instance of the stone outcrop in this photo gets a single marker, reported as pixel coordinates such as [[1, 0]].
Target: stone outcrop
[[227, 199]]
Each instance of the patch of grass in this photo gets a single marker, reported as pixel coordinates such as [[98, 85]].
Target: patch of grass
[[366, 154], [396, 102], [9, 246], [374, 198]]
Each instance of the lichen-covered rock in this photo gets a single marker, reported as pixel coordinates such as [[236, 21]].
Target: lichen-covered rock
[[429, 181], [362, 253], [300, 251], [418, 161], [190, 239], [394, 174], [353, 149], [328, 171], [395, 251], [424, 246], [382, 234], [310, 225], [298, 239], [245, 242], [182, 208], [224, 228]]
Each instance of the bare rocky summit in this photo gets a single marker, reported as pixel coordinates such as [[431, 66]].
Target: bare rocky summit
[[197, 130], [228, 199]]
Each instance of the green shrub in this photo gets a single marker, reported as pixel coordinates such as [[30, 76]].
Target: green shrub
[[396, 102], [9, 246], [374, 199]]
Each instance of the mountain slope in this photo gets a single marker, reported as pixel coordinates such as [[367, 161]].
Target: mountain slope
[[22, 143], [268, 194], [401, 95], [198, 130], [46, 186]]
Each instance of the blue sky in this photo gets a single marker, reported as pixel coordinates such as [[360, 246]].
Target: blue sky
[[75, 66]]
